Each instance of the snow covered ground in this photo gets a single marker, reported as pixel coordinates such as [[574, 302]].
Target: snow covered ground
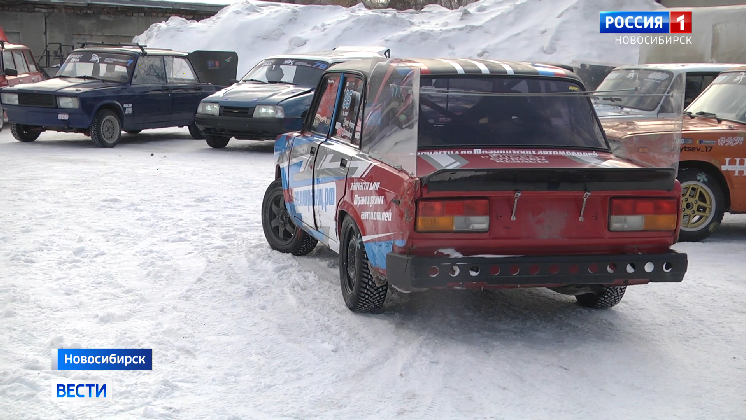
[[523, 30], [158, 244]]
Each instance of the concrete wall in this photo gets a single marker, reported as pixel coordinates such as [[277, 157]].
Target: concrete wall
[[36, 23]]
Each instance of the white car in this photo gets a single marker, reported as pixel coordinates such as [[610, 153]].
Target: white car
[[650, 83]]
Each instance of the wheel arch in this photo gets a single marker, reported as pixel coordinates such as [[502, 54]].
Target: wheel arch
[[112, 106], [714, 171]]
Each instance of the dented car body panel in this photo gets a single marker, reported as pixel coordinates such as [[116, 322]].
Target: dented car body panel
[[386, 139]]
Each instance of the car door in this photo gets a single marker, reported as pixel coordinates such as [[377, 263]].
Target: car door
[[305, 148], [336, 158], [186, 91], [151, 101]]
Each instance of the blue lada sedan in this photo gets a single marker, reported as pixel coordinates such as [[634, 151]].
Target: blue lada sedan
[[273, 97], [103, 89]]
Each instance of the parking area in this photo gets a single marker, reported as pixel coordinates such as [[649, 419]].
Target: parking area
[[158, 244]]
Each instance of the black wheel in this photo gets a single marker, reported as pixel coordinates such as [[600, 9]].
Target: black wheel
[[132, 131], [605, 298], [279, 229], [106, 130], [702, 204], [25, 133], [196, 133], [360, 292], [217, 142]]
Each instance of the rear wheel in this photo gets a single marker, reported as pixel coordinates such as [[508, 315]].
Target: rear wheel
[[106, 130], [279, 230], [359, 290], [702, 204], [25, 133], [217, 142], [195, 132], [604, 298]]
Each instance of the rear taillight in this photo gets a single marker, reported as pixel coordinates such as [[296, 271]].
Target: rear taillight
[[637, 214], [453, 216]]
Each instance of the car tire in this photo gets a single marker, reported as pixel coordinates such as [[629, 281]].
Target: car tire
[[279, 230], [217, 142], [195, 132], [106, 129], [132, 131], [603, 299], [359, 290], [24, 133], [702, 204]]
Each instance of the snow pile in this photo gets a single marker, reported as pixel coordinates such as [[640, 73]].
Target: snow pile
[[524, 30]]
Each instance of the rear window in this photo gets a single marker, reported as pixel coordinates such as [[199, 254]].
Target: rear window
[[505, 111]]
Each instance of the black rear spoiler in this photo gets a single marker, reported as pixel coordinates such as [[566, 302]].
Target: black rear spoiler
[[215, 67], [552, 179]]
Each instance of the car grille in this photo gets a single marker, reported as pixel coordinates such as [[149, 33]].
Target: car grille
[[229, 111], [37, 99]]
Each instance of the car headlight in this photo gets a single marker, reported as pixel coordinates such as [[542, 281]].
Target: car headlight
[[67, 102], [208, 108], [269, 111], [9, 98]]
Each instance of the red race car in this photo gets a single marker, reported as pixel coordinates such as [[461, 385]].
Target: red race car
[[459, 173]]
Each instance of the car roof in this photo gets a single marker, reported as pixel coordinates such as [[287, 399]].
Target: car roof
[[8, 46], [330, 56], [735, 69], [683, 67], [132, 50], [462, 66]]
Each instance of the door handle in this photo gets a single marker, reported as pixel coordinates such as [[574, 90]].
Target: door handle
[[313, 150], [343, 163]]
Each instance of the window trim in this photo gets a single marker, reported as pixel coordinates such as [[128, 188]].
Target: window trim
[[189, 64], [316, 102], [359, 110], [134, 70]]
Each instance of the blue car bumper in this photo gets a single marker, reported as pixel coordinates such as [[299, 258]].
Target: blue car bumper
[[47, 117]]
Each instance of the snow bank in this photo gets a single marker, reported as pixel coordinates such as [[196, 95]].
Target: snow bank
[[533, 30]]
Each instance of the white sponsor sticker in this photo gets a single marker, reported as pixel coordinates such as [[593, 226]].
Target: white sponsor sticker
[[63, 116]]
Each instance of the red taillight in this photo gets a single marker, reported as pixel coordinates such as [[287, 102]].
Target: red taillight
[[639, 214], [453, 215]]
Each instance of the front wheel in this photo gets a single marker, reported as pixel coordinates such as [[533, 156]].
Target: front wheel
[[359, 290], [217, 142], [106, 130], [25, 133], [702, 204], [279, 230], [604, 298], [195, 132]]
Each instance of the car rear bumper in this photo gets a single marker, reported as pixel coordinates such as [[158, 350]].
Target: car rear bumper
[[47, 117], [246, 128], [411, 272]]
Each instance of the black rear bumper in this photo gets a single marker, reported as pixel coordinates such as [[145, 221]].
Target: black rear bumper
[[405, 271]]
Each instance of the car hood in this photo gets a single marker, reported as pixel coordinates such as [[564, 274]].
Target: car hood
[[257, 93], [430, 161], [699, 125], [72, 85]]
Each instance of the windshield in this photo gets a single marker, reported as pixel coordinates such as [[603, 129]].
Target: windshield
[[648, 87], [305, 73], [726, 98], [457, 112], [97, 65]]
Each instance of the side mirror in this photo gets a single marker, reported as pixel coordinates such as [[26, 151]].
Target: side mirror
[[11, 72]]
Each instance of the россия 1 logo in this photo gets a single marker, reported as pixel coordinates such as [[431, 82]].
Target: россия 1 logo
[[646, 22]]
